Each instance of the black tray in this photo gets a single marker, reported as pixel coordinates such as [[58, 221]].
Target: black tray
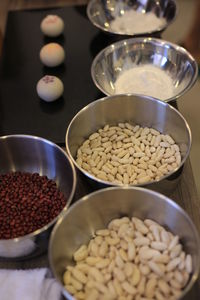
[[21, 110]]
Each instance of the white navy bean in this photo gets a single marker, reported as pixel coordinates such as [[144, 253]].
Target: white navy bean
[[144, 269], [164, 287], [188, 263], [173, 264], [131, 251], [155, 232], [156, 268], [159, 295], [76, 284], [67, 277], [136, 276], [81, 253], [179, 276], [173, 242], [150, 288], [159, 246], [129, 288], [141, 241], [71, 289], [165, 238], [161, 258], [128, 259], [142, 285], [176, 251]]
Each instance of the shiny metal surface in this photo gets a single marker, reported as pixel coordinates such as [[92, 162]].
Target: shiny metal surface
[[101, 13], [133, 109], [96, 210], [35, 155], [129, 53]]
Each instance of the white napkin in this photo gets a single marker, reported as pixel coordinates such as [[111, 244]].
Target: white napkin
[[28, 285]]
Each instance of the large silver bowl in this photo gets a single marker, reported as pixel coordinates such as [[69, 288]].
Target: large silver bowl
[[135, 109], [174, 60], [102, 13], [33, 154], [96, 210]]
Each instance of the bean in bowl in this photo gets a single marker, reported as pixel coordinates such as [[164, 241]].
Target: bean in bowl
[[130, 259], [27, 202], [129, 154]]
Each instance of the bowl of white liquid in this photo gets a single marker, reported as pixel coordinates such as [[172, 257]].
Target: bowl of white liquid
[[132, 18], [145, 66]]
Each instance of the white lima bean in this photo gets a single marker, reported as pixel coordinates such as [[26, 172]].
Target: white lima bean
[[122, 262], [128, 154]]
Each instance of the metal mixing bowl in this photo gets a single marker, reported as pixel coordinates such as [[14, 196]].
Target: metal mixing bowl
[[102, 13], [135, 109], [96, 210], [174, 60], [33, 154]]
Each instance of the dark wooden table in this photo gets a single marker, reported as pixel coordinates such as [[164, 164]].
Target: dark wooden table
[[185, 194]]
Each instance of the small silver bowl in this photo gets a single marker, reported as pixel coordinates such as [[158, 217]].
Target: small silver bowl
[[96, 210], [135, 109], [174, 60], [102, 13], [33, 154]]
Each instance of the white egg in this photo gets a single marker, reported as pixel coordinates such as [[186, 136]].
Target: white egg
[[50, 88], [52, 25], [52, 55]]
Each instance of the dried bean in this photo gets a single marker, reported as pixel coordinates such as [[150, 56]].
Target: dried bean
[[131, 259], [120, 145], [27, 202]]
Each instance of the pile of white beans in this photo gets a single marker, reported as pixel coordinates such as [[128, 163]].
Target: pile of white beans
[[131, 259], [127, 154]]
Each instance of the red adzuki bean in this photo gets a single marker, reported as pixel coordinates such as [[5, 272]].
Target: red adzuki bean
[[27, 203]]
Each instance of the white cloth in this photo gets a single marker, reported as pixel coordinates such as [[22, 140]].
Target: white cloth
[[28, 285]]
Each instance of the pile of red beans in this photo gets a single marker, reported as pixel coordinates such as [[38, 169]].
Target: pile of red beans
[[27, 203]]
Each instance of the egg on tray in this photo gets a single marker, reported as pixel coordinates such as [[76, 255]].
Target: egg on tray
[[52, 26], [52, 55]]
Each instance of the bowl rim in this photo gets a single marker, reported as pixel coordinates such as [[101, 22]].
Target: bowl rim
[[146, 40], [110, 98], [163, 198], [92, 4], [74, 182]]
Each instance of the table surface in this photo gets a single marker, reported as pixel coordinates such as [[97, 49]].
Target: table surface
[[185, 194], [22, 111]]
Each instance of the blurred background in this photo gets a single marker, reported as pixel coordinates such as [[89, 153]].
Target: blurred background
[[189, 104]]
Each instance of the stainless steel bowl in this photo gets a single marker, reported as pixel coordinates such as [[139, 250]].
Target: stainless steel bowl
[[33, 154], [174, 60], [137, 110], [96, 210], [102, 13]]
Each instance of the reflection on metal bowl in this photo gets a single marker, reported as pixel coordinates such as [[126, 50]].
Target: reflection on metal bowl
[[96, 210], [33, 154], [138, 110], [102, 13], [173, 60]]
